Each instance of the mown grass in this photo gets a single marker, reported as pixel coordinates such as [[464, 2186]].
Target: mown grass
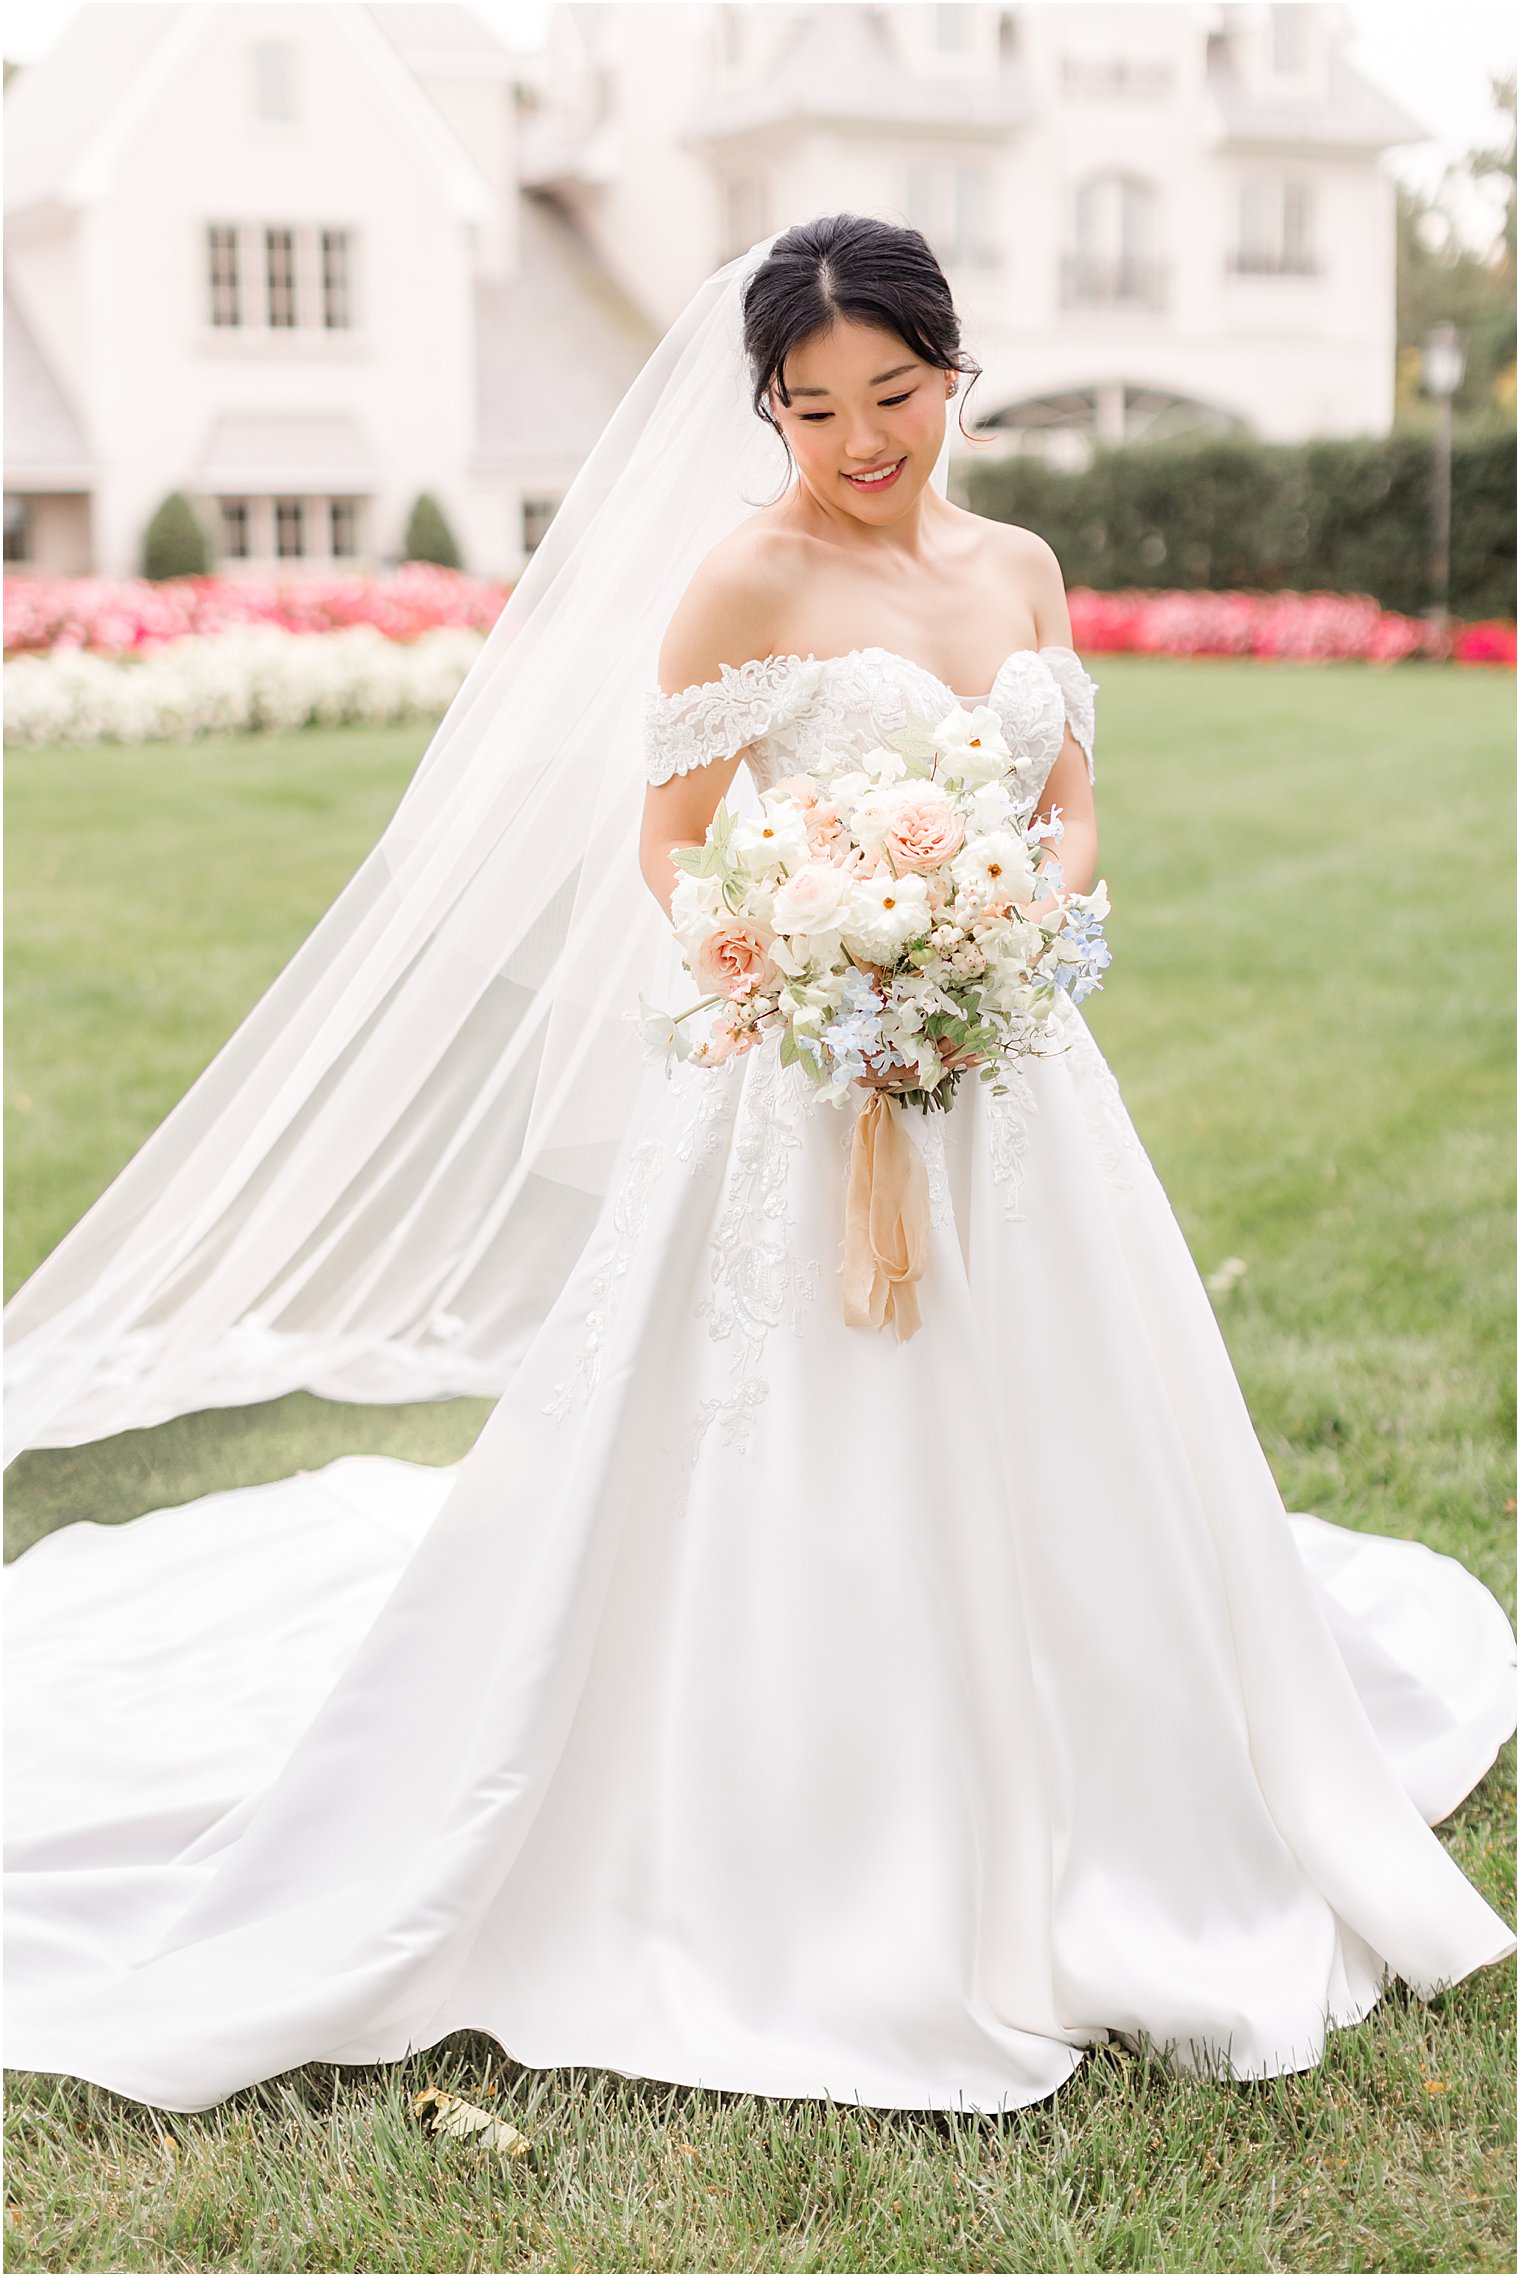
[[1309, 1014]]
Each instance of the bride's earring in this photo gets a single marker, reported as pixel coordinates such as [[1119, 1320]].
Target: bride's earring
[[952, 389]]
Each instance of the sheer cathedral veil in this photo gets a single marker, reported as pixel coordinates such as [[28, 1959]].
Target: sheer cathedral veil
[[380, 1183]]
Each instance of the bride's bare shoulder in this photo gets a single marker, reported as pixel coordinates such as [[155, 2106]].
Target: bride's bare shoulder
[[729, 610], [1025, 568]]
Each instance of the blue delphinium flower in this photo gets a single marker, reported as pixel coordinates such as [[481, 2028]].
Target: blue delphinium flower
[[855, 1029]]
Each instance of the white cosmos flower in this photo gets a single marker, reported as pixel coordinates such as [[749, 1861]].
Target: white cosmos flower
[[883, 913], [994, 868], [971, 745], [776, 840]]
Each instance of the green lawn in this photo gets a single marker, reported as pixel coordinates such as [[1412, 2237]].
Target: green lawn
[[1309, 1013]]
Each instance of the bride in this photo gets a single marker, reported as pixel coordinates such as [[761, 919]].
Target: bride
[[766, 1702]]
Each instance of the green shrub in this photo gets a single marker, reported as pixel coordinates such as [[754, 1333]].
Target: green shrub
[[1227, 513], [174, 544], [428, 536]]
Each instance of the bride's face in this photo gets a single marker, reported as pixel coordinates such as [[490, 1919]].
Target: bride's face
[[862, 401]]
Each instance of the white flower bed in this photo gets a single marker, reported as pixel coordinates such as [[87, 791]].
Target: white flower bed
[[257, 678]]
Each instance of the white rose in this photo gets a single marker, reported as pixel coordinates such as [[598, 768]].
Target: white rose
[[695, 901], [883, 913], [810, 900]]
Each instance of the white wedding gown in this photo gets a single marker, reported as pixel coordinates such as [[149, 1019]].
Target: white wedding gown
[[764, 1703]]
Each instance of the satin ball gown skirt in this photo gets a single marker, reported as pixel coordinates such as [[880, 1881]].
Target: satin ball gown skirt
[[766, 1703]]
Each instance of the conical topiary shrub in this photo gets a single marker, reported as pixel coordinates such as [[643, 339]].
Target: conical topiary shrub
[[428, 536], [174, 544]]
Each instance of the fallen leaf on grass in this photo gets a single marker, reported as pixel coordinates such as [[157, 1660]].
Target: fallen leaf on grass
[[451, 2115]]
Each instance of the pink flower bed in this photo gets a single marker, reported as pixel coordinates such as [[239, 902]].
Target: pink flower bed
[[1297, 626], [118, 617], [131, 616]]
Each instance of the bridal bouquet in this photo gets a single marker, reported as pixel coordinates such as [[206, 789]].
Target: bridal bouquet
[[870, 914]]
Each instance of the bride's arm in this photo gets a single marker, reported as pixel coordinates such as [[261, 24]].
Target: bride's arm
[[720, 619], [1067, 786]]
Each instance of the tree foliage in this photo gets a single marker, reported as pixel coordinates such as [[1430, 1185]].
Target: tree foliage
[[1227, 513], [1444, 279]]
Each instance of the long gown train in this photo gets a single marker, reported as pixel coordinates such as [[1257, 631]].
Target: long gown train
[[764, 1703]]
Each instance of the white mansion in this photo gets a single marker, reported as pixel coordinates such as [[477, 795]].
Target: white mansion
[[305, 261]]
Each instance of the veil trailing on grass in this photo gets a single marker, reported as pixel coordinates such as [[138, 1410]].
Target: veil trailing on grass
[[380, 1183]]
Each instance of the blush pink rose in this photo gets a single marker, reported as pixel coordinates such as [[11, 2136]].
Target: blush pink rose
[[925, 831], [801, 789], [733, 960]]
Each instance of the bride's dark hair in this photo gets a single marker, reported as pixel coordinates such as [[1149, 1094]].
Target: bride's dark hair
[[848, 265]]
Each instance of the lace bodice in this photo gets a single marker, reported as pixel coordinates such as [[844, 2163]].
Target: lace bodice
[[786, 714]]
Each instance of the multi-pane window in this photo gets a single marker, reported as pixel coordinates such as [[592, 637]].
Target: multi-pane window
[[308, 276], [952, 27], [537, 514], [289, 527], [280, 277], [1288, 40], [342, 527], [18, 526], [952, 205], [1276, 229], [334, 251], [237, 528], [222, 272], [1113, 261], [274, 80]]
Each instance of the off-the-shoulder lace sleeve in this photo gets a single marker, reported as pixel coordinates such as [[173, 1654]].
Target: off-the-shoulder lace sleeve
[[713, 719], [1078, 690]]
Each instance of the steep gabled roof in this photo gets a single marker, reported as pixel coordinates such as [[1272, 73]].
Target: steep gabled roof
[[44, 441], [557, 347], [67, 113], [58, 109], [1355, 115]]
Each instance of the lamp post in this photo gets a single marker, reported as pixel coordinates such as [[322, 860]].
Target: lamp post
[[1443, 362]]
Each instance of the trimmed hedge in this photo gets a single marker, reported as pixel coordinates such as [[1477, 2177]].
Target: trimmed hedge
[[428, 536], [174, 544], [1228, 514]]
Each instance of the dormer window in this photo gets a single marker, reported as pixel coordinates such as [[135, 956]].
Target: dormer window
[[1288, 40], [274, 80]]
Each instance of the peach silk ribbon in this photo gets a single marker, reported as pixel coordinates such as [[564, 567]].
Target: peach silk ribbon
[[886, 1221]]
